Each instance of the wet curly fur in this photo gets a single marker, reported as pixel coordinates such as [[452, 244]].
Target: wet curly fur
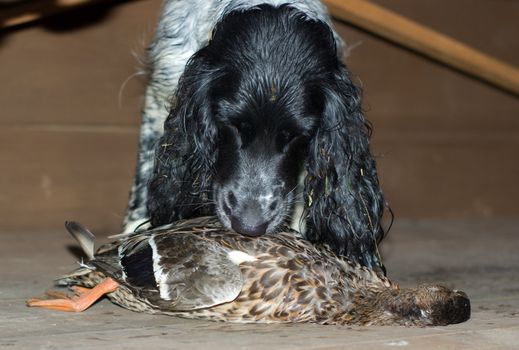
[[265, 101]]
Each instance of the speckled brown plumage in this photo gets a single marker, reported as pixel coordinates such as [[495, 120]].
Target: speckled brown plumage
[[197, 269]]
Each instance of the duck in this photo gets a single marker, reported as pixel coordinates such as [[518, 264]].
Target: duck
[[198, 269]]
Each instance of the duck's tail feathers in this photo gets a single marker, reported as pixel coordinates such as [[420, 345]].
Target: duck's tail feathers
[[83, 235], [74, 277]]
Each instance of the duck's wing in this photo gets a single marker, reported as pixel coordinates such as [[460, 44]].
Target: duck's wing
[[203, 223], [181, 271]]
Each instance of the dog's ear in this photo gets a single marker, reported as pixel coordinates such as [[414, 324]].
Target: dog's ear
[[344, 200], [186, 152]]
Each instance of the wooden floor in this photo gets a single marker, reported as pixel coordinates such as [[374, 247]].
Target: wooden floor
[[480, 257]]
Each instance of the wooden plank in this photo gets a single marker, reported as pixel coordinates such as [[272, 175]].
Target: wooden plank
[[449, 175], [74, 77], [68, 102], [51, 176], [403, 91], [408, 33], [86, 75]]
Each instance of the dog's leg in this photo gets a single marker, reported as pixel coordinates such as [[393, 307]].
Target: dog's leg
[[162, 85], [153, 116], [174, 43]]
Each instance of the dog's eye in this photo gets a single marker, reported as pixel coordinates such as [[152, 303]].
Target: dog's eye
[[285, 136], [284, 139], [228, 135], [244, 131]]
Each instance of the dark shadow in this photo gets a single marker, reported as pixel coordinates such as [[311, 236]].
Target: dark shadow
[[81, 17], [77, 252], [68, 20]]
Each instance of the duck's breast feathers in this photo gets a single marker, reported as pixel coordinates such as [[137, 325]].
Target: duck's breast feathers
[[181, 271]]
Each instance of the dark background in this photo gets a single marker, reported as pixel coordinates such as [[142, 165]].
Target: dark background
[[447, 144]]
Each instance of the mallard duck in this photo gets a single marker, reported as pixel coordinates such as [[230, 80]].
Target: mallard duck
[[198, 269]]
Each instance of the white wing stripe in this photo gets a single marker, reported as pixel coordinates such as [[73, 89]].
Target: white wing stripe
[[159, 274]]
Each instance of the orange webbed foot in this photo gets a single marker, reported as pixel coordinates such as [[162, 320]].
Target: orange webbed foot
[[78, 290], [84, 298], [54, 294], [64, 304]]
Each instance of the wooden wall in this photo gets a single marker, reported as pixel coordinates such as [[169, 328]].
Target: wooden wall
[[447, 145]]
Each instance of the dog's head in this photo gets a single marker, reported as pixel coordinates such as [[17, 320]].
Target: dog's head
[[266, 99], [267, 105], [261, 152]]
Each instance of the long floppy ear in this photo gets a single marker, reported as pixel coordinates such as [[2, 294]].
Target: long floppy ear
[[185, 154], [345, 203]]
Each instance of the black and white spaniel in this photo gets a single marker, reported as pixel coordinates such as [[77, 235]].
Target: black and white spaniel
[[249, 114]]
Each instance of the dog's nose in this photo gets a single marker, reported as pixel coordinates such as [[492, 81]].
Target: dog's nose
[[248, 230], [249, 219]]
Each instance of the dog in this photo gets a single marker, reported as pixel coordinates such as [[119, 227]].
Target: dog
[[251, 115]]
